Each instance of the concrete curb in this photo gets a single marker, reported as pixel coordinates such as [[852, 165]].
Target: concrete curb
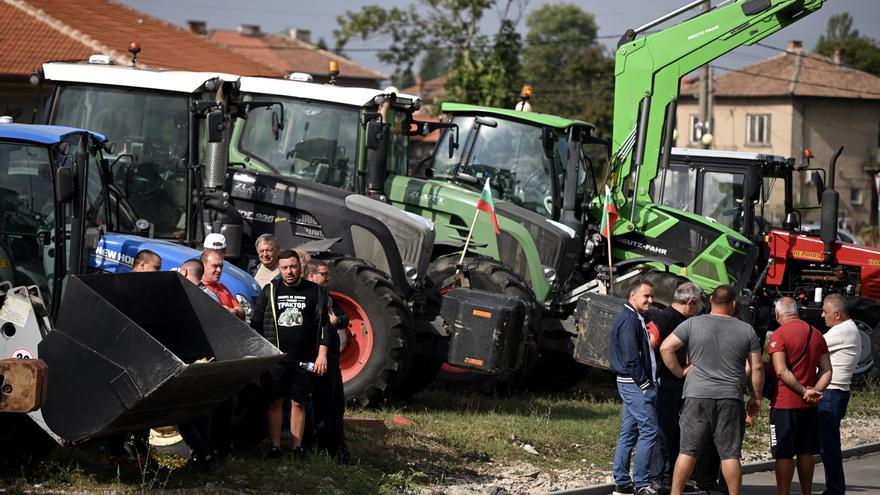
[[753, 467]]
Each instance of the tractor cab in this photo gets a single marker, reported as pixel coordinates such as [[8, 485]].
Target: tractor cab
[[746, 192]]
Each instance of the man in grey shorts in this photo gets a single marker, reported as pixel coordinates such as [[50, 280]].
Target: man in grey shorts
[[719, 346]]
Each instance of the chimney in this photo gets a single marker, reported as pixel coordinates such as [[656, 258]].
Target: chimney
[[840, 56], [197, 27], [303, 35], [795, 46], [249, 29]]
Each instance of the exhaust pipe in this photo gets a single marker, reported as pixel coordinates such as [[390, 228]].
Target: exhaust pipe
[[830, 208]]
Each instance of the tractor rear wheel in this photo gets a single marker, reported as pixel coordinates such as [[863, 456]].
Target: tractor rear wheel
[[865, 312], [484, 274], [377, 345]]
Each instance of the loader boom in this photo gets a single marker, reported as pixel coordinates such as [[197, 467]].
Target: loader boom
[[648, 71]]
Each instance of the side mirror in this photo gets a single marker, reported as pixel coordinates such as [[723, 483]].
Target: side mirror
[[65, 184], [820, 186], [276, 126], [374, 134], [453, 141], [548, 141], [216, 126]]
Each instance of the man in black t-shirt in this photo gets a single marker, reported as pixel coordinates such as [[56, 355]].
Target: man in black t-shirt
[[292, 314], [686, 302]]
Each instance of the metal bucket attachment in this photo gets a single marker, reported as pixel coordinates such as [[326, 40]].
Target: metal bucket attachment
[[138, 350], [595, 313]]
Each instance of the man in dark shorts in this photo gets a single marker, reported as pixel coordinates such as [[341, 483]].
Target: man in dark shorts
[[797, 350], [292, 314], [718, 347], [686, 302]]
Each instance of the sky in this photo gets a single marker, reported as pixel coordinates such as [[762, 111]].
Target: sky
[[612, 17]]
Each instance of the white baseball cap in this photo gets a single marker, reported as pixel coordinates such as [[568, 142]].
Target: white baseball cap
[[215, 241]]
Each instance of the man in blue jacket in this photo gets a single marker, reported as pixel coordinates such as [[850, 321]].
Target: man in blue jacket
[[635, 365]]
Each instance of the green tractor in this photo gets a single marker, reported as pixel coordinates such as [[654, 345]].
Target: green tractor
[[541, 171]]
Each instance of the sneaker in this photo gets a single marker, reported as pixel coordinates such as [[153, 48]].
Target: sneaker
[[661, 488], [275, 453], [647, 490], [627, 489]]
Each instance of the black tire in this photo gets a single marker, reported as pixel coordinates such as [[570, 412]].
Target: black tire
[[866, 313], [380, 323], [664, 283], [22, 441], [553, 371], [489, 275]]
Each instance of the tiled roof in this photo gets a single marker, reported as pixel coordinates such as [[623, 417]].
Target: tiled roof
[[793, 73], [288, 54], [431, 89], [35, 31]]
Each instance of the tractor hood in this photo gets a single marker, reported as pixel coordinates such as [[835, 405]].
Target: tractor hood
[[397, 242]]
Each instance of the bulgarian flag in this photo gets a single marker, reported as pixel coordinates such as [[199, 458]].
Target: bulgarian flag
[[609, 214], [485, 203]]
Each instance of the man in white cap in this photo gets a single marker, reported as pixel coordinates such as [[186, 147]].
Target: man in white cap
[[216, 242]]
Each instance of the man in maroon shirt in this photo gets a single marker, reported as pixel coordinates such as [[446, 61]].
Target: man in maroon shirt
[[797, 350]]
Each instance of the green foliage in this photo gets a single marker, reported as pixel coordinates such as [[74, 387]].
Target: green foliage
[[570, 71], [860, 52], [484, 68]]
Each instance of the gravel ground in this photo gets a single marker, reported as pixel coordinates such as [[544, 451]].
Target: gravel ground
[[526, 479]]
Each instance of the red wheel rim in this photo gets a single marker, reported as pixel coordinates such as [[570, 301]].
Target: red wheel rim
[[453, 369], [356, 354]]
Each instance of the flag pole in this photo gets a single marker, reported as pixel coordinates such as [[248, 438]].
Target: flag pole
[[610, 273], [468, 240]]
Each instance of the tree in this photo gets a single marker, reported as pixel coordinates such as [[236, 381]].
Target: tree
[[860, 52], [571, 73], [482, 69]]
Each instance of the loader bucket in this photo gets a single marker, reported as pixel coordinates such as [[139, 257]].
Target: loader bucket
[[138, 350]]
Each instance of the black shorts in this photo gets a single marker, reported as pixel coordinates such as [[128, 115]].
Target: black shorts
[[720, 421], [794, 432], [288, 381]]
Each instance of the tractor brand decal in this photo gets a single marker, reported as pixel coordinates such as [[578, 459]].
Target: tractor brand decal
[[640, 245], [5, 263], [874, 261], [261, 217], [705, 31], [810, 255], [424, 197], [105, 254]]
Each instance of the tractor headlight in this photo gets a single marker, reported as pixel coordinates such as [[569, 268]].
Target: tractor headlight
[[412, 274], [245, 305]]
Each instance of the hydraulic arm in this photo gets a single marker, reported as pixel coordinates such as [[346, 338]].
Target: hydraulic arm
[[648, 71]]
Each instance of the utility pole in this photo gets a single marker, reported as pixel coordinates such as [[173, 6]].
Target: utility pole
[[705, 97]]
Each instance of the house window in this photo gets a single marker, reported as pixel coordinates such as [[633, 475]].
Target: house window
[[696, 131], [758, 129], [855, 196]]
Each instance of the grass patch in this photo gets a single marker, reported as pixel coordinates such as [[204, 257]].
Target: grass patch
[[455, 434]]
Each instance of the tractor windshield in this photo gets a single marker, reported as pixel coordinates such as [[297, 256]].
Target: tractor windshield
[[711, 193], [150, 131], [510, 153], [317, 141]]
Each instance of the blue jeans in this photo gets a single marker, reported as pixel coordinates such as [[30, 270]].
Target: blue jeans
[[832, 408], [638, 428]]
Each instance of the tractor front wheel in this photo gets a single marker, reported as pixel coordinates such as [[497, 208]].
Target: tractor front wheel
[[377, 345]]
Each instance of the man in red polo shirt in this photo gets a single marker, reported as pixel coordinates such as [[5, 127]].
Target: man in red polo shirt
[[213, 262], [797, 350]]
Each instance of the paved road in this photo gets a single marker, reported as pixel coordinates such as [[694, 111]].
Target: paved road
[[862, 478]]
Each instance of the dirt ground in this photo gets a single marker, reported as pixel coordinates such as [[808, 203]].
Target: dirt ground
[[526, 479]]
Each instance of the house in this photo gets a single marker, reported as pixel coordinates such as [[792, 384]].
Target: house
[[291, 51], [794, 101], [36, 31]]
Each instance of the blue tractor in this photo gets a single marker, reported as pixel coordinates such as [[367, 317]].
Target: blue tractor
[[124, 351]]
